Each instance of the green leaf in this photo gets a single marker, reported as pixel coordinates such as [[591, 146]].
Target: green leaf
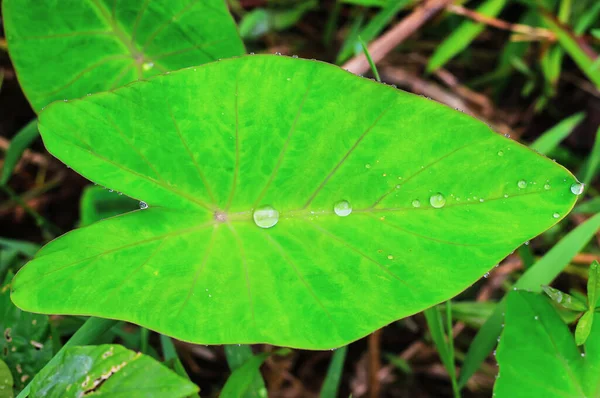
[[18, 144], [461, 37], [551, 138], [541, 273], [110, 370], [237, 356], [331, 384], [584, 327], [79, 47], [572, 47], [25, 344], [98, 203], [564, 300], [538, 357], [437, 199], [6, 381], [593, 285]]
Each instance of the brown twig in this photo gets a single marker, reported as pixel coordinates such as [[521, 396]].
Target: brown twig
[[374, 363], [388, 41], [525, 30]]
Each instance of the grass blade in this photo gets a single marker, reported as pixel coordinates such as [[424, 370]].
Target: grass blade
[[371, 63], [551, 138], [18, 144], [334, 374], [463, 36]]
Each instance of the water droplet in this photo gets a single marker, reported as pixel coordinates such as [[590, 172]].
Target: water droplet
[[66, 100], [367, 166], [252, 53], [500, 153], [486, 275], [416, 203], [481, 200], [143, 205], [111, 190], [526, 244], [547, 187], [147, 66], [277, 53], [390, 257], [522, 184], [294, 56], [536, 317], [577, 188], [265, 217], [342, 208], [505, 195], [556, 215], [438, 200]]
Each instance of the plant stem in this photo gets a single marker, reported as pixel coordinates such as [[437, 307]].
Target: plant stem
[[452, 371], [87, 333]]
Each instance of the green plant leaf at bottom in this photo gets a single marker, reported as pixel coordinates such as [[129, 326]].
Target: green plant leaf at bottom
[[69, 48], [289, 202], [109, 370], [538, 357]]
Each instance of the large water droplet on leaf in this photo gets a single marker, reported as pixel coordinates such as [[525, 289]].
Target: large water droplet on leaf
[[522, 184], [342, 208], [577, 188], [438, 200], [265, 217]]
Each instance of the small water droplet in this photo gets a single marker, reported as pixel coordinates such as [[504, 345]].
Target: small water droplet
[[252, 53], [556, 215], [265, 217], [147, 66], [500, 153], [367, 166], [438, 200], [536, 317], [522, 184], [577, 188], [294, 56], [143, 205], [583, 354], [486, 275], [66, 100], [547, 187], [481, 200], [416, 203], [390, 257], [526, 244], [342, 208]]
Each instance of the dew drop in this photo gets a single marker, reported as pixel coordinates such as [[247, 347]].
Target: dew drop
[[577, 188], [390, 257], [147, 66], [416, 203], [486, 275], [556, 215], [583, 354], [294, 56], [500, 153], [547, 187], [143, 205], [536, 317], [522, 184], [367, 166], [342, 208], [265, 217], [438, 200]]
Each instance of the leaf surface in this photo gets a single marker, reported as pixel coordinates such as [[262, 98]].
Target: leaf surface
[[205, 147], [66, 49], [538, 356]]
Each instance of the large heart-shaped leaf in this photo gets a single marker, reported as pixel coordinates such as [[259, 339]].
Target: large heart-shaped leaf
[[435, 200], [538, 356], [68, 48], [108, 370]]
